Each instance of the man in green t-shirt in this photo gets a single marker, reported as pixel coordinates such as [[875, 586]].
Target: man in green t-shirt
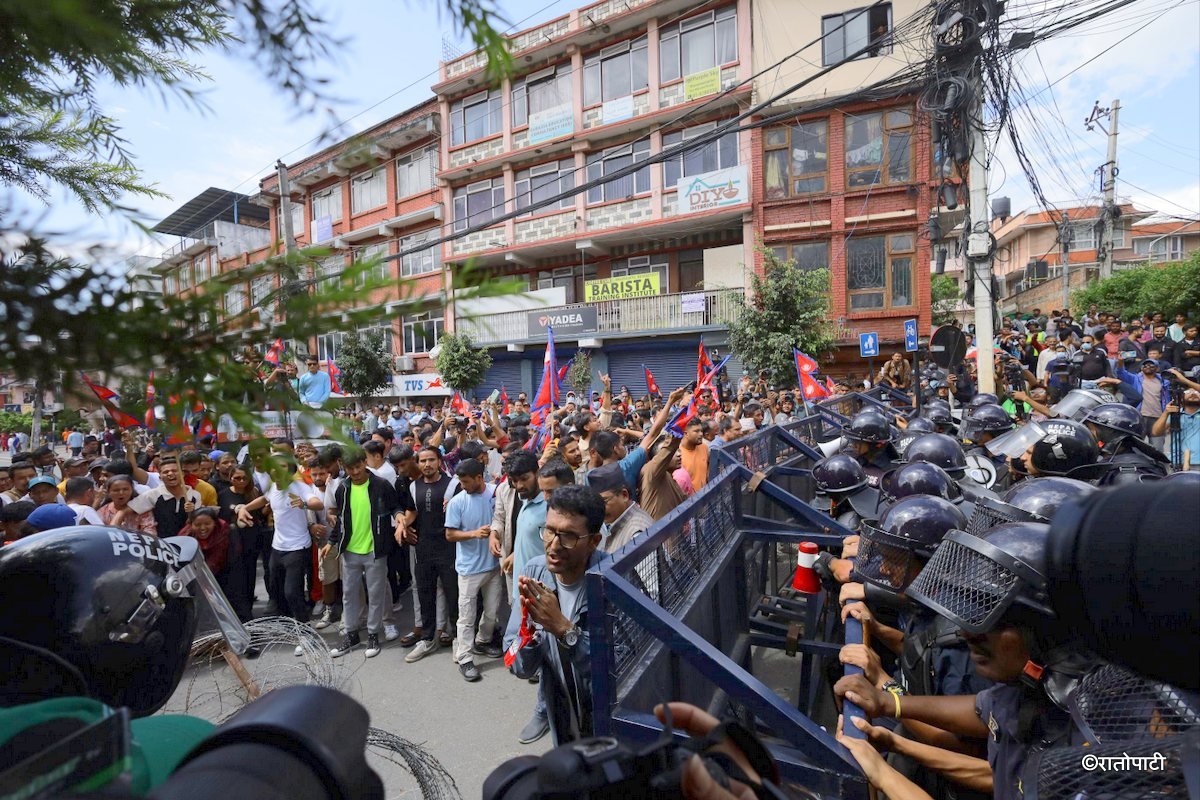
[[369, 521]]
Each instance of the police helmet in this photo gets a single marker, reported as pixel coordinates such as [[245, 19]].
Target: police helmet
[[939, 449], [975, 581], [838, 473], [985, 418], [1044, 496], [983, 399], [938, 414], [1066, 447], [1114, 421], [1186, 477], [914, 428], [918, 478], [869, 425], [891, 549], [108, 614]]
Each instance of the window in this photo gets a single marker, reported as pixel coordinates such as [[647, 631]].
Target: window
[[328, 345], [879, 271], [1118, 236], [640, 265], [545, 181], [422, 331], [878, 148], [540, 91], [717, 154], [422, 261], [1165, 248], [185, 276], [691, 270], [414, 172], [328, 203], [843, 35], [694, 45], [383, 330], [329, 269], [297, 211], [807, 255], [569, 279], [381, 270], [796, 159], [260, 287], [478, 203], [235, 301], [614, 72], [368, 191], [606, 162], [202, 265], [172, 283], [475, 117]]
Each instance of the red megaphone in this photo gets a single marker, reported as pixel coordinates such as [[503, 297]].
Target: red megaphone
[[806, 579]]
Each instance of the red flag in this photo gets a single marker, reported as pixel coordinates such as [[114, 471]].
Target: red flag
[[804, 363], [335, 374], [150, 421], [503, 400], [547, 395], [704, 364], [105, 396], [458, 405], [274, 354], [562, 372], [651, 385], [830, 385], [811, 389]]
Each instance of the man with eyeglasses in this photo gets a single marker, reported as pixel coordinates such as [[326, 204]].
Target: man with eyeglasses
[[553, 604], [315, 386]]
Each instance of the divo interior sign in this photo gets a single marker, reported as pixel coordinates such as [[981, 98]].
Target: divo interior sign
[[711, 190], [565, 321]]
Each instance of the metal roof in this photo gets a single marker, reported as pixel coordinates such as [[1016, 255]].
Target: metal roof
[[212, 204]]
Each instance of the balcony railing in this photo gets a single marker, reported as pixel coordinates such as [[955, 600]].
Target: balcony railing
[[713, 308], [206, 236]]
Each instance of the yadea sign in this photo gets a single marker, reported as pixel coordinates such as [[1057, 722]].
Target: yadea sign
[[711, 190], [565, 321]]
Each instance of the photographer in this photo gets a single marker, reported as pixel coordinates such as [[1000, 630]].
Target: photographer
[[1188, 410], [1151, 389]]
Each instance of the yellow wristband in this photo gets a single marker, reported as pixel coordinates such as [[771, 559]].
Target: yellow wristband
[[896, 697]]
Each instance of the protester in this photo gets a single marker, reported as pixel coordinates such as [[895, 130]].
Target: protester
[[468, 524]]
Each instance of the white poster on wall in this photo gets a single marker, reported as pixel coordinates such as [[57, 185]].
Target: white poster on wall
[[551, 124], [712, 190], [616, 110]]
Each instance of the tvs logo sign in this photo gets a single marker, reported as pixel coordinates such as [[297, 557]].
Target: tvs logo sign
[[566, 322], [712, 190]]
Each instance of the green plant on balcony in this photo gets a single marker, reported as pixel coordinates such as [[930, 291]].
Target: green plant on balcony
[[787, 307], [460, 362]]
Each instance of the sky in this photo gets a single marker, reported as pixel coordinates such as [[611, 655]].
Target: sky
[[1146, 55]]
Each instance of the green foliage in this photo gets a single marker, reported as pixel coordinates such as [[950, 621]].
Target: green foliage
[[943, 296], [71, 418], [461, 364], [789, 308], [365, 363], [579, 377], [12, 423], [1172, 289]]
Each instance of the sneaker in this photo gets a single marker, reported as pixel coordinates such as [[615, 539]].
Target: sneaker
[[423, 648], [409, 639], [346, 645], [487, 649], [469, 671], [318, 608], [536, 728], [390, 633], [445, 638], [325, 620], [373, 647]]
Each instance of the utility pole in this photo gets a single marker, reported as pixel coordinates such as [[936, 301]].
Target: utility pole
[[285, 209], [979, 245], [1064, 239], [35, 433], [1108, 180]]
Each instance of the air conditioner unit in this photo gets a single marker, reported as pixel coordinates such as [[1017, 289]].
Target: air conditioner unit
[[404, 363], [1036, 271]]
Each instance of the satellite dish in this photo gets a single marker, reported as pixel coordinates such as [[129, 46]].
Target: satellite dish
[[947, 347]]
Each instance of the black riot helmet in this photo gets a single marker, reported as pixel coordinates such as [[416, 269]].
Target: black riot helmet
[[918, 478], [108, 614], [1067, 447], [975, 581], [1187, 477], [891, 550], [1112, 422], [939, 449], [938, 413], [869, 425], [983, 399], [1045, 496], [914, 428], [838, 473], [984, 418]]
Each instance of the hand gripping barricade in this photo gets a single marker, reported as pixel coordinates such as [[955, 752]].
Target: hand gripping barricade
[[700, 609]]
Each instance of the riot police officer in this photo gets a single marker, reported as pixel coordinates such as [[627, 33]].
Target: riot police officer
[[868, 438], [842, 490], [1118, 429], [912, 429], [984, 422]]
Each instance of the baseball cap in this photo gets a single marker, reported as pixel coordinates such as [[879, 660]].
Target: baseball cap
[[43, 479], [215, 455], [1146, 361], [75, 461], [395, 408], [51, 516]]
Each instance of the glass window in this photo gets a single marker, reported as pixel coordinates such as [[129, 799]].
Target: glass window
[[171, 283], [475, 117], [414, 172], [260, 287], [696, 44], [478, 203], [640, 265], [381, 270], [879, 271], [422, 331], [542, 91], [614, 72], [328, 345], [422, 261], [796, 159], [807, 255], [1083, 235], [544, 181], [717, 154], [185, 276], [384, 331], [329, 269], [368, 191], [691, 270], [328, 203], [235, 300], [843, 35], [606, 162], [878, 148]]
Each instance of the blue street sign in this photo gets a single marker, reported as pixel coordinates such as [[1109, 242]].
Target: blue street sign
[[868, 345], [910, 335]]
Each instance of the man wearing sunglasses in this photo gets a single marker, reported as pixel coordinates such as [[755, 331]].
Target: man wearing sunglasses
[[547, 633]]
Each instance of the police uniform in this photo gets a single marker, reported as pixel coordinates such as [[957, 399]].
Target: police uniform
[[1129, 463], [1019, 726]]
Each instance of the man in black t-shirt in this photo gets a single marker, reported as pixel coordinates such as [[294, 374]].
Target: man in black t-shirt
[[1093, 361], [434, 552]]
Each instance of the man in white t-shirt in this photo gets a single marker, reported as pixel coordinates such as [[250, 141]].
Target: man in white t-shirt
[[80, 494], [291, 546], [377, 462]]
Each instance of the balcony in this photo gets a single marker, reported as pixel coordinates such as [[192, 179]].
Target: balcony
[[188, 246], [705, 310]]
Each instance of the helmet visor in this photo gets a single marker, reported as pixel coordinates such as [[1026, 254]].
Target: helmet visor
[[990, 512], [1014, 443], [197, 580], [883, 559], [969, 582], [1075, 405]]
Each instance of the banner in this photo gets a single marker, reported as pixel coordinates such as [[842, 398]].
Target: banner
[[566, 321], [625, 287], [616, 110], [702, 83], [553, 123], [711, 190]]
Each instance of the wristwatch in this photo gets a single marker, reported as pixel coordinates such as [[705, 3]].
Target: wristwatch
[[571, 637]]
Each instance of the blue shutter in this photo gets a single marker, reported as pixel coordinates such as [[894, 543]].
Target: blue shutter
[[506, 373]]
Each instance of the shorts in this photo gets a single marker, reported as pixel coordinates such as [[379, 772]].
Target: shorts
[[329, 568]]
